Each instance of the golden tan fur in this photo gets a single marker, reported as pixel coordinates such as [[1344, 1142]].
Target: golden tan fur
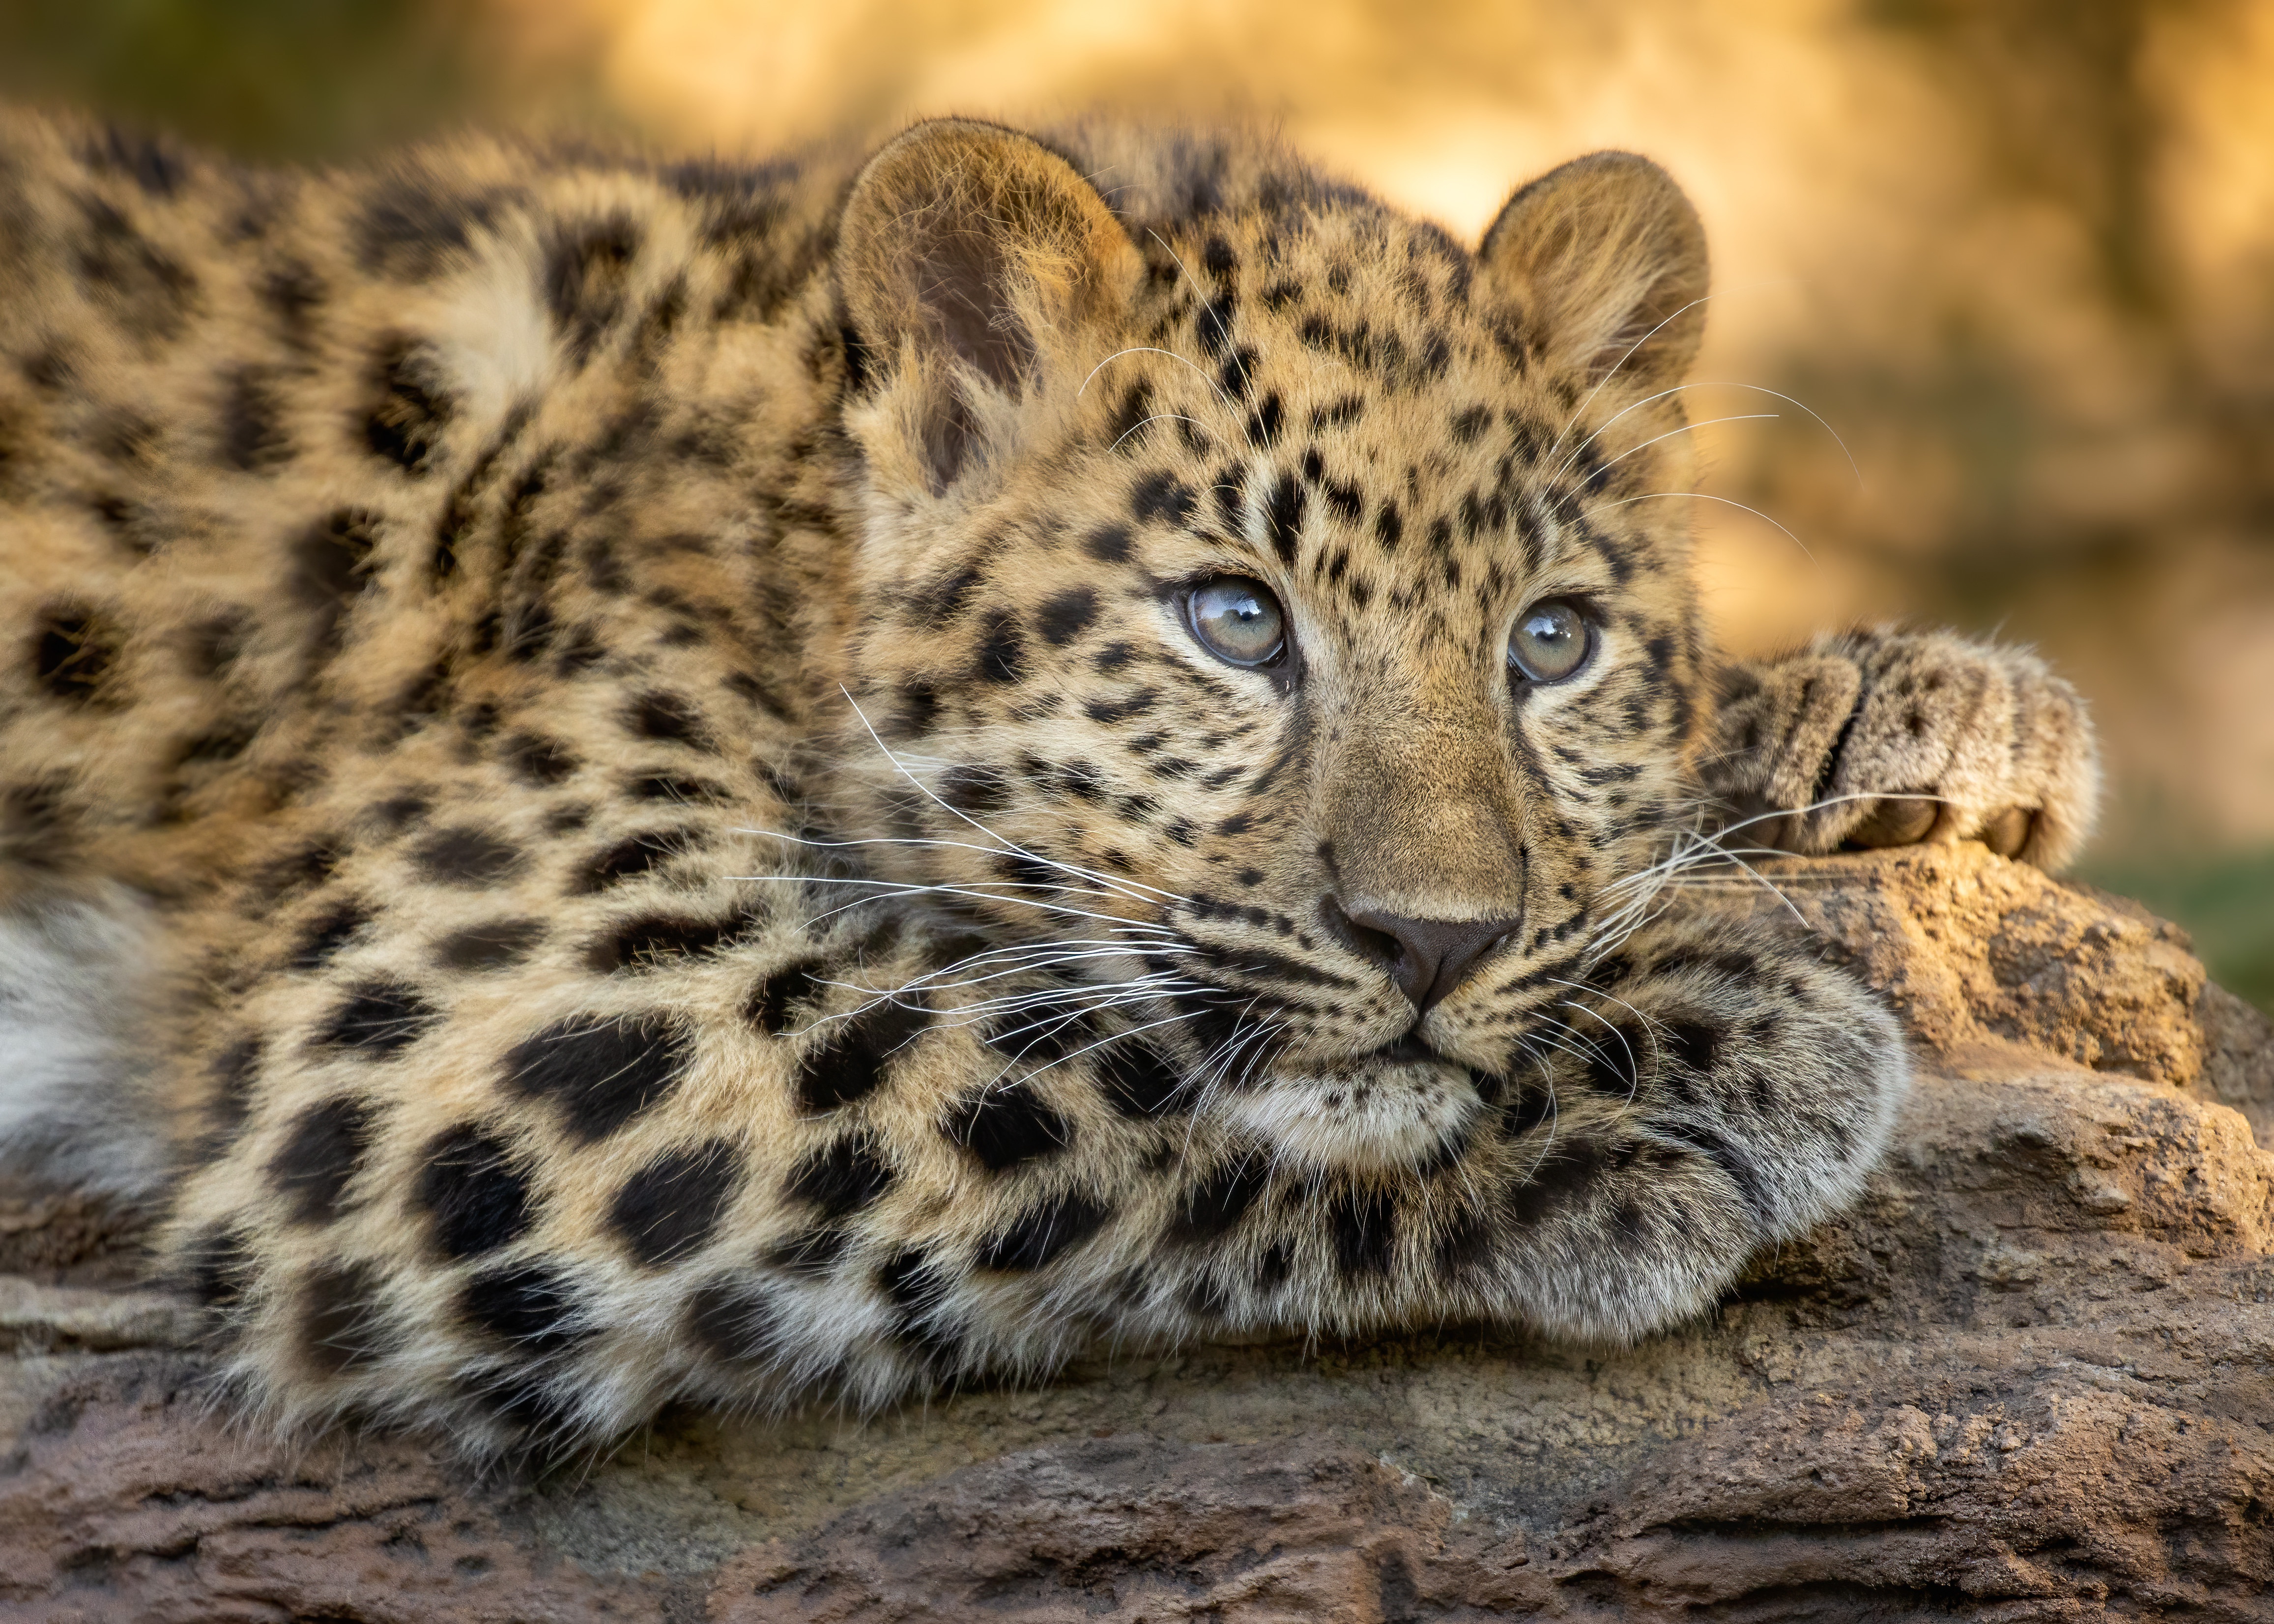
[[610, 785]]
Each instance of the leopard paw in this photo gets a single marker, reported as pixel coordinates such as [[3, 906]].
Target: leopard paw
[[1878, 738]]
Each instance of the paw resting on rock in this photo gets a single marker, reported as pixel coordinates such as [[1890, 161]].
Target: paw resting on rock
[[1877, 739]]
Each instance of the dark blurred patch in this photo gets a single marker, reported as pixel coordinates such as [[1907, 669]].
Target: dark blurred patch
[[299, 80]]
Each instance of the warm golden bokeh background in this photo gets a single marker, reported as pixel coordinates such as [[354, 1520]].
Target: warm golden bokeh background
[[2019, 253]]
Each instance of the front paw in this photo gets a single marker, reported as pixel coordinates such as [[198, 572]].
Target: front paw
[[1876, 739]]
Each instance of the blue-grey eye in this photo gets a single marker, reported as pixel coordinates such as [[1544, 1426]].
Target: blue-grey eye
[[1551, 640], [1238, 620]]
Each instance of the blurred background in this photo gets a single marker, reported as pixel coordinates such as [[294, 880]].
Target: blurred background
[[2019, 254]]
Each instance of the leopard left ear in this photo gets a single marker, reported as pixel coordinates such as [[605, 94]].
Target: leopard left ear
[[972, 262], [1606, 260]]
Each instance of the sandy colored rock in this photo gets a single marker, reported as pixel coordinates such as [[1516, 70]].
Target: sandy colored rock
[[2031, 1378]]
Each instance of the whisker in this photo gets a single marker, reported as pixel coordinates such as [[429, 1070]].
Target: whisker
[[1701, 496], [1687, 428], [1712, 383], [1580, 410]]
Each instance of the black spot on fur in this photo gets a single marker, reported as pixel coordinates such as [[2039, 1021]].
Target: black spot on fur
[[978, 789], [468, 857], [1527, 1110], [1283, 518], [233, 1074], [587, 268], [1066, 615], [490, 945], [405, 424], [329, 932], [940, 600], [477, 1199], [311, 1169], [253, 438], [412, 224], [667, 717], [1126, 431], [151, 160], [73, 649], [1731, 1160], [1005, 1125], [1162, 496], [916, 709], [1558, 1180], [1272, 1267], [217, 1266], [379, 1019], [296, 871], [1616, 1056], [1137, 1081], [652, 938], [732, 1322], [849, 1062], [670, 1207], [842, 1177], [528, 1305], [1266, 421], [1464, 1239], [538, 760], [917, 1286], [292, 292], [1364, 1223], [330, 562], [633, 856], [1212, 327], [811, 1253], [341, 1324], [1215, 1206], [1002, 651], [1037, 1236], [211, 646], [773, 1000], [601, 1071], [1109, 543], [149, 293], [1696, 1043]]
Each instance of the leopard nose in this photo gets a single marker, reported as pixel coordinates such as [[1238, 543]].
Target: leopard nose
[[1427, 958]]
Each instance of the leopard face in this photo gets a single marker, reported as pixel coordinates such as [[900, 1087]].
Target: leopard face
[[1274, 631]]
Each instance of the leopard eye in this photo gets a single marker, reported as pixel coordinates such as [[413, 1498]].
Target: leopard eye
[[1551, 642], [1237, 619]]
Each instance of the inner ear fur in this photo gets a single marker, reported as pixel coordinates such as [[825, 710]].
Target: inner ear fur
[[1606, 258], [968, 254]]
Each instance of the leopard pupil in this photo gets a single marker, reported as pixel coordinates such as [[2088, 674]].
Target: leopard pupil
[[1238, 620], [1549, 643]]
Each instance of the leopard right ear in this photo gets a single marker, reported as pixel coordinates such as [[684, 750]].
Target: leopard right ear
[[976, 268], [1607, 259]]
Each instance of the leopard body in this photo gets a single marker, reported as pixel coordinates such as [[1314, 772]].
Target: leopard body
[[609, 792]]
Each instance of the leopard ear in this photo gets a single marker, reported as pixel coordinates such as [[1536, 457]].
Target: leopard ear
[[1607, 259], [973, 262]]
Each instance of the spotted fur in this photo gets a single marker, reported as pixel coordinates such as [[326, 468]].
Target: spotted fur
[[682, 844]]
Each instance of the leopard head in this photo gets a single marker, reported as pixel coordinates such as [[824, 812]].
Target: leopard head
[[1273, 622]]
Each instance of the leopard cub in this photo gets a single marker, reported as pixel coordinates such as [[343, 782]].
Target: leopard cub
[[626, 780]]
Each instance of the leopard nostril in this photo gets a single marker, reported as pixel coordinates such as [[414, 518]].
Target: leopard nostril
[[1427, 958], [1376, 946]]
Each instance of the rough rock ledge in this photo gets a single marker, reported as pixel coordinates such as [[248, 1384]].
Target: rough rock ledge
[[2031, 1378]]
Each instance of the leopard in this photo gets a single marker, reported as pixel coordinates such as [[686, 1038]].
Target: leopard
[[630, 780]]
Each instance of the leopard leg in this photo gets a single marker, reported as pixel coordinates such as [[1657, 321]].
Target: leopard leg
[[1883, 738], [1719, 1090]]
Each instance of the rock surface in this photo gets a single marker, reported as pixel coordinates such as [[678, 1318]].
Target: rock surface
[[2031, 1378]]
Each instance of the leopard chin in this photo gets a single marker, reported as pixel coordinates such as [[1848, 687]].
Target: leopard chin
[[1373, 1116]]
